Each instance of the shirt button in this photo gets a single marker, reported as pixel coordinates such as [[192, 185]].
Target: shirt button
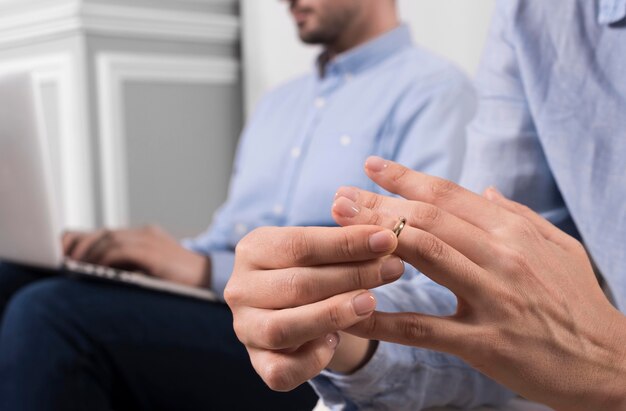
[[296, 152], [320, 102], [345, 140], [241, 229], [278, 209]]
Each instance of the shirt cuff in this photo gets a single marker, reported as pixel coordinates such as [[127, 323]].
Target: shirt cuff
[[362, 386], [222, 263]]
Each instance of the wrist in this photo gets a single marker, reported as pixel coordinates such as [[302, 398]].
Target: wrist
[[352, 354], [194, 271]]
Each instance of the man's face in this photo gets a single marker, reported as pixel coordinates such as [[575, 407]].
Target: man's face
[[322, 21]]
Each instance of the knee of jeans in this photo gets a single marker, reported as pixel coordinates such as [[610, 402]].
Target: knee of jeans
[[36, 305]]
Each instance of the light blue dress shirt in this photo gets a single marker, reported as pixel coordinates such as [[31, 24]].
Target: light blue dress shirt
[[551, 133], [312, 135]]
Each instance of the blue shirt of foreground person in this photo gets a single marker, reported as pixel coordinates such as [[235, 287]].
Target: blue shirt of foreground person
[[385, 97], [550, 133]]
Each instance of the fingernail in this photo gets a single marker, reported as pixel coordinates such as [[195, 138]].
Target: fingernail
[[348, 192], [346, 208], [333, 340], [364, 303], [391, 269], [376, 164], [382, 241]]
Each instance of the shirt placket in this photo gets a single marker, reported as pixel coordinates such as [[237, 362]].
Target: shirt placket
[[298, 152]]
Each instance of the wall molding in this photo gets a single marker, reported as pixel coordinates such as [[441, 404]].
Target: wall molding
[[78, 204], [114, 71], [67, 17]]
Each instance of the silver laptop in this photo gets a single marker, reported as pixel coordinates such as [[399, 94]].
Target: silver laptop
[[30, 218]]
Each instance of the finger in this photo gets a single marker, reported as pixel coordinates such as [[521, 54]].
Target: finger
[[84, 242], [444, 194], [291, 287], [284, 372], [456, 264], [69, 240], [123, 257], [547, 229], [371, 208], [118, 239], [444, 334], [292, 327], [284, 247], [445, 265]]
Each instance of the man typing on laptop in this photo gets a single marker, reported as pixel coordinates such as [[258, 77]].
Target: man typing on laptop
[[68, 345]]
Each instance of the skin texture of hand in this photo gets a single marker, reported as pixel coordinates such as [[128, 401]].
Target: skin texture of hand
[[294, 288], [531, 314], [148, 249]]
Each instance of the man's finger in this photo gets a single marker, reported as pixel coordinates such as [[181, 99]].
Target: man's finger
[[444, 194], [284, 247], [69, 239], [291, 287], [293, 327], [84, 243], [123, 257], [286, 371]]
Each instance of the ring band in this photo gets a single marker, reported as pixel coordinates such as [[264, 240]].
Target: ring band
[[399, 226]]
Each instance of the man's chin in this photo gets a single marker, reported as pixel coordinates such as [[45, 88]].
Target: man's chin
[[309, 37]]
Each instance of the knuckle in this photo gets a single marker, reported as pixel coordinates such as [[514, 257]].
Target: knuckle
[[273, 333], [298, 248], [347, 247], [427, 215], [248, 244], [276, 376], [232, 294], [335, 318], [441, 189], [414, 329], [358, 276], [521, 228], [300, 287], [432, 248], [521, 262], [373, 202], [374, 218], [576, 246], [399, 175]]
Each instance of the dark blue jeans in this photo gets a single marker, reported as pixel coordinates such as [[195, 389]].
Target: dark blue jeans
[[69, 344]]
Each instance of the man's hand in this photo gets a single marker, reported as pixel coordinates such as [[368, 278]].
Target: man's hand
[[148, 249], [530, 312], [293, 289]]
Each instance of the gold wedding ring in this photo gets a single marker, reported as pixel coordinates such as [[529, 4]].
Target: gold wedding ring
[[399, 226]]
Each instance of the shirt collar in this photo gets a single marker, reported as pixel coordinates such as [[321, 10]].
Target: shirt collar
[[611, 11], [366, 55]]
